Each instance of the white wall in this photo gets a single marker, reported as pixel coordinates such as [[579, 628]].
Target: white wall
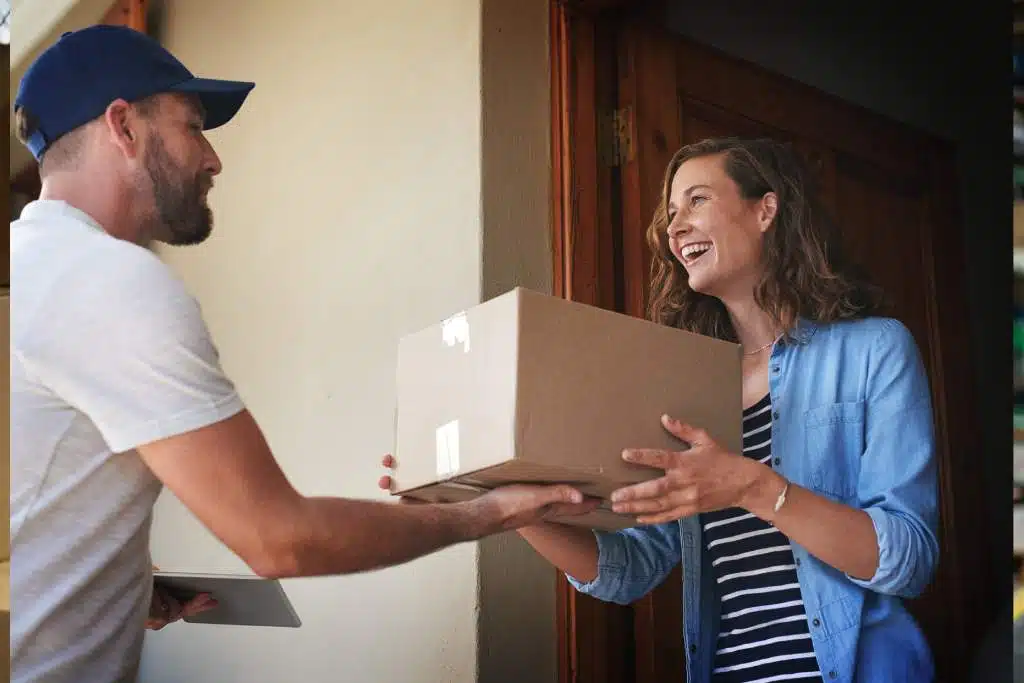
[[349, 213]]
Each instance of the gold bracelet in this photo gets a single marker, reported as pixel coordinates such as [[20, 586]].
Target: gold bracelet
[[781, 500]]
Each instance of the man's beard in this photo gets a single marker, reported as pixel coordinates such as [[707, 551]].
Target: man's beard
[[182, 216]]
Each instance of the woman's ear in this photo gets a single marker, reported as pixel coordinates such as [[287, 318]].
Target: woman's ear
[[768, 209]]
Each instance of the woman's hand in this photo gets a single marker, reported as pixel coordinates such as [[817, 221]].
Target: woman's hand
[[703, 478]]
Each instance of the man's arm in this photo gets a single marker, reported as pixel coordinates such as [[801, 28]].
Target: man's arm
[[143, 367], [226, 475]]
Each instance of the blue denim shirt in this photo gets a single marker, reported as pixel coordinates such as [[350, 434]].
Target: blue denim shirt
[[852, 421]]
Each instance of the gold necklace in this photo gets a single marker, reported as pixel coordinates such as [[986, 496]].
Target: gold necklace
[[757, 351]]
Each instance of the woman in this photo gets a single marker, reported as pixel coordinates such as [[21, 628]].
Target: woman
[[796, 552]]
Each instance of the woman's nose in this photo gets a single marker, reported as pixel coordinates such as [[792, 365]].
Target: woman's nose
[[677, 228]]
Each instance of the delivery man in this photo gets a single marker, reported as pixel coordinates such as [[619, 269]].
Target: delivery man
[[116, 387]]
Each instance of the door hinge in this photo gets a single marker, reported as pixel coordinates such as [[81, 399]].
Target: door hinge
[[616, 136]]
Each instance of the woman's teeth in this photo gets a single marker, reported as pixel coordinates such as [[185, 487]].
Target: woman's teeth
[[691, 252]]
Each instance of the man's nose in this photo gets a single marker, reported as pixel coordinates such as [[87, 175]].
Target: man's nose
[[211, 162]]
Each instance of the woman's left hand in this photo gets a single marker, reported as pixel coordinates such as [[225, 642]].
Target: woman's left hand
[[703, 478]]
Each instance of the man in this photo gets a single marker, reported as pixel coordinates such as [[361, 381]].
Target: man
[[116, 388]]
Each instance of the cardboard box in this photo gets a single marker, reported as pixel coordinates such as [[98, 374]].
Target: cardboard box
[[528, 387]]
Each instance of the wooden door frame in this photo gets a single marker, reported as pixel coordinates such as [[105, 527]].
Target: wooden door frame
[[584, 233], [583, 245]]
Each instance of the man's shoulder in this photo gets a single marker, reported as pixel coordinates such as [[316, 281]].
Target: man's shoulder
[[78, 264], [82, 284]]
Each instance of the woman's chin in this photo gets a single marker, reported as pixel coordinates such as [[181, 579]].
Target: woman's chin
[[701, 285]]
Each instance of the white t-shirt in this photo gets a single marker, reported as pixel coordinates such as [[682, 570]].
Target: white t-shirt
[[108, 352]]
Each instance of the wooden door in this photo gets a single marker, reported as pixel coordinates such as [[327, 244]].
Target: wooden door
[[891, 190]]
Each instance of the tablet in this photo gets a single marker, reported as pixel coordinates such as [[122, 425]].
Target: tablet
[[242, 600]]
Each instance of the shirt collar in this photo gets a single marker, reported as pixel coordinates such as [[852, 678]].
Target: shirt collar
[[52, 209], [804, 330]]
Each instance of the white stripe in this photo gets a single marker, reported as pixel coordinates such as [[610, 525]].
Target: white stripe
[[763, 608], [728, 520], [751, 553], [765, 458], [762, 643], [740, 537], [758, 591], [755, 572], [766, 660], [766, 624], [759, 429], [787, 677], [747, 449], [760, 412]]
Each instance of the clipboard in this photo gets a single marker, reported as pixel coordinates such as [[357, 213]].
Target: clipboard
[[242, 600]]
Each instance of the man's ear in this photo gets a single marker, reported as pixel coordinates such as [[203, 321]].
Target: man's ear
[[769, 208], [124, 127]]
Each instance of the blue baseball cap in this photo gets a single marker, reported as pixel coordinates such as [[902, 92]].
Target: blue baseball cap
[[73, 82]]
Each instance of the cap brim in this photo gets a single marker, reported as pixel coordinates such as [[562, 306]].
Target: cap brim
[[221, 99]]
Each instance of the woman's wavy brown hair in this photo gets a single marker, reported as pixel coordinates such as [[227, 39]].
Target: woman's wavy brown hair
[[805, 274]]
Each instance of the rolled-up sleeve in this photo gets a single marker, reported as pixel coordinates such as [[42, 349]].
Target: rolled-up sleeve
[[632, 562], [898, 483]]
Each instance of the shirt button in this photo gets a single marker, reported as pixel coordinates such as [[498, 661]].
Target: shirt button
[[777, 460], [693, 649], [775, 369], [798, 561], [775, 415], [832, 674], [816, 622]]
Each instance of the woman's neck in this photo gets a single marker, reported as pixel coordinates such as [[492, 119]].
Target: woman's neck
[[754, 328]]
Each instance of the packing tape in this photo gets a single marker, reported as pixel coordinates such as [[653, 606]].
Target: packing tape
[[448, 449], [455, 330]]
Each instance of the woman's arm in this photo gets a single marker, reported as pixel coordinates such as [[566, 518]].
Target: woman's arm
[[836, 534], [571, 549], [620, 566], [887, 543]]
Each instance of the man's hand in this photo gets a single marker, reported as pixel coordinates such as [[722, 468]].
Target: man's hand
[[518, 505], [165, 609], [515, 506]]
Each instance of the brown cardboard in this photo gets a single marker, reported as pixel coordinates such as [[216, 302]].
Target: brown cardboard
[[528, 387]]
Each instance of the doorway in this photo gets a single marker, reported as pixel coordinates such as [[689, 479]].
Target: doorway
[[627, 94]]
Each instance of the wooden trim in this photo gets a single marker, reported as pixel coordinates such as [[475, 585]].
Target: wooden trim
[[966, 535], [130, 13], [657, 134], [582, 186], [791, 106], [561, 181], [590, 633], [27, 181]]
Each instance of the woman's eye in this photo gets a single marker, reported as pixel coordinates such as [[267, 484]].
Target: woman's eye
[[696, 199]]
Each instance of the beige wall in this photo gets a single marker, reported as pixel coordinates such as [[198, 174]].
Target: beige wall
[[390, 168]]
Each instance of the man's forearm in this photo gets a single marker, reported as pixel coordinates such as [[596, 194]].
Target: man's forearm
[[340, 536]]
